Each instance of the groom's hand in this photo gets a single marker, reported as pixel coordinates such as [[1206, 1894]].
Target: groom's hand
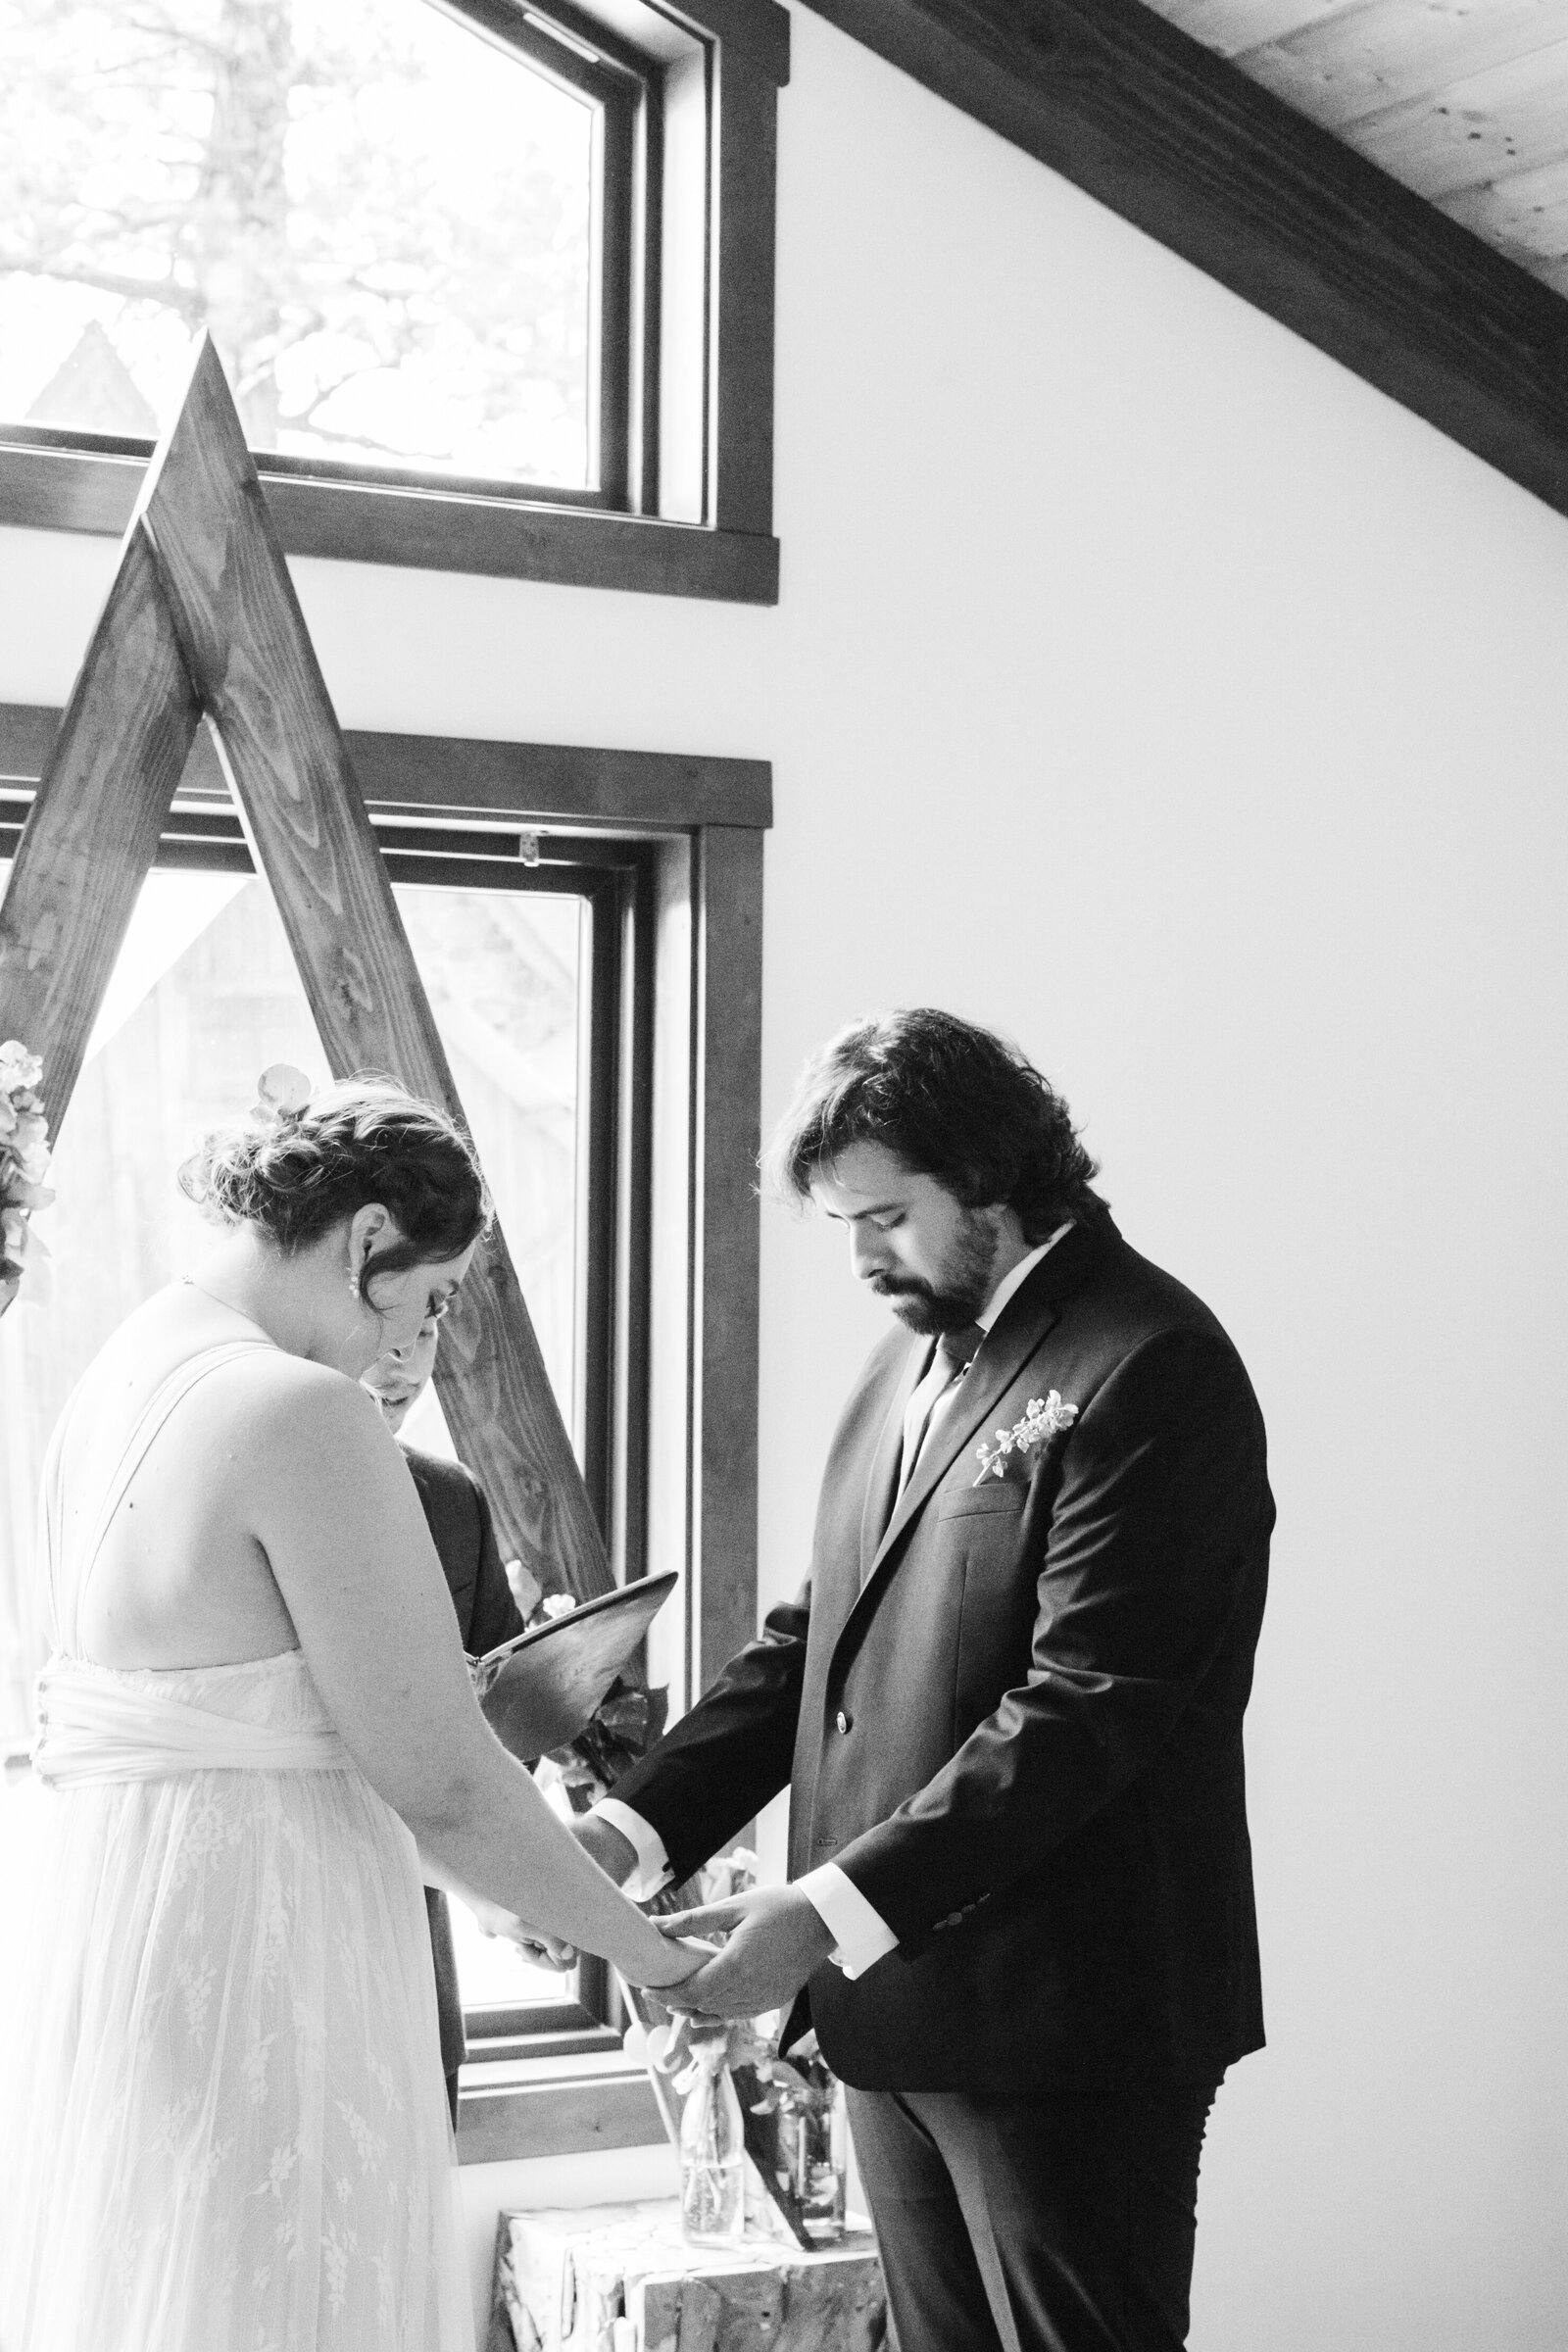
[[776, 1937]]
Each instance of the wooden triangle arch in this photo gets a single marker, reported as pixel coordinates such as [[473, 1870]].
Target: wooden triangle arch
[[203, 621]]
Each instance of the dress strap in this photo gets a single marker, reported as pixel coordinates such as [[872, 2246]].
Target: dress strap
[[169, 1392]]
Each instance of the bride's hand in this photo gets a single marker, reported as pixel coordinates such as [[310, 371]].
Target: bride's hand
[[538, 1948], [677, 1959]]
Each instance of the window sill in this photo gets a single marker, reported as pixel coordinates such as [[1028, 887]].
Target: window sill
[[510, 538], [554, 2107]]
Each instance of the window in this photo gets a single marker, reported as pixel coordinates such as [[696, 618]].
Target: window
[[468, 264], [388, 218], [609, 997], [522, 963]]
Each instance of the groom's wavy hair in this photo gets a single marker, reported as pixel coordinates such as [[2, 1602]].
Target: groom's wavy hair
[[296, 1174], [952, 1101]]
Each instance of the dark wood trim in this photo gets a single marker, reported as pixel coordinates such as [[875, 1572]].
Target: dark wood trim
[[744, 158], [728, 1064], [634, 1190], [1181, 143], [557, 2115], [757, 31], [503, 537], [468, 775], [599, 1194]]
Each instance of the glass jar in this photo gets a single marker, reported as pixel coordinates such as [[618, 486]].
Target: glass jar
[[713, 2153]]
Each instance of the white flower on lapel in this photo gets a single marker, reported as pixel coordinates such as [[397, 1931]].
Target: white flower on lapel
[[1044, 1417]]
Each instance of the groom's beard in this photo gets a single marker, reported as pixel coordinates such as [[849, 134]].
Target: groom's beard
[[964, 1287]]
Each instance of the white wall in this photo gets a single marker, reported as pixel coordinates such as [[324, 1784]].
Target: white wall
[[1148, 687]]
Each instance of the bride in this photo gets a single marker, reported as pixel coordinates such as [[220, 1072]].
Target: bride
[[225, 2128]]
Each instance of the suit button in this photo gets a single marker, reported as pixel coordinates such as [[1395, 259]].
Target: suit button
[[843, 1721]]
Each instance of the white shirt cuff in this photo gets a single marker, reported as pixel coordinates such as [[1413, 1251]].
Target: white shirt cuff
[[652, 1871], [861, 1935]]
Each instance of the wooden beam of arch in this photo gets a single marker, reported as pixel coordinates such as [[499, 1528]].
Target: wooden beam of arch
[[204, 615], [93, 828], [250, 655]]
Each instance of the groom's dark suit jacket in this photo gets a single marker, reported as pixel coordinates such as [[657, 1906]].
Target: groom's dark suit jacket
[[1012, 1711]]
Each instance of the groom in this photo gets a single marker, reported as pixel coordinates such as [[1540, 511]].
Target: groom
[[1009, 1705]]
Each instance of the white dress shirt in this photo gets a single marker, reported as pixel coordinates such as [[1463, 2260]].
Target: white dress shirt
[[861, 1935]]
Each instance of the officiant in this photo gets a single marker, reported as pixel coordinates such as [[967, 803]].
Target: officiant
[[465, 1537]]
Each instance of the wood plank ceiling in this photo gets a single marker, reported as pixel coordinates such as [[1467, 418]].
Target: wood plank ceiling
[[1464, 101]]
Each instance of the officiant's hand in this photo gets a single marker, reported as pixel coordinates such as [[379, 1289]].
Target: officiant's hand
[[775, 1938]]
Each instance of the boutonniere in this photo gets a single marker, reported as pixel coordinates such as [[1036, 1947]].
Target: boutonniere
[[1043, 1419]]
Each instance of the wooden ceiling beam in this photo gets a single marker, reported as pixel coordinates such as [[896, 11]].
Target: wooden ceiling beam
[[1182, 145]]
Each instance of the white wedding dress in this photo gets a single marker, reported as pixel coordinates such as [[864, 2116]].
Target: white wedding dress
[[223, 2122]]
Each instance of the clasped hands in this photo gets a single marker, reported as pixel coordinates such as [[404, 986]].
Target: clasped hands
[[771, 1939]]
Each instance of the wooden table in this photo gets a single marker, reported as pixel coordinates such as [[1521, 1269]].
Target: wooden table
[[623, 2278]]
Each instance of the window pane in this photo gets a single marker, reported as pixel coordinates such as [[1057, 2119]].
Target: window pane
[[501, 967], [382, 217], [205, 996]]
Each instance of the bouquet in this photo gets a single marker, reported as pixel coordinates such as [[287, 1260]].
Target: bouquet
[[24, 1165]]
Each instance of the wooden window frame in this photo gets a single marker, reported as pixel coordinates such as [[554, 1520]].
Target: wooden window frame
[[678, 1480], [681, 376]]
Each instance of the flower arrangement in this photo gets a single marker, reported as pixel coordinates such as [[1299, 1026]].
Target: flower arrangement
[[737, 2089], [1042, 1420], [24, 1165]]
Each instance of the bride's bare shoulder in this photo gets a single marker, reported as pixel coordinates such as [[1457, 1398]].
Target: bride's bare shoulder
[[303, 1419], [261, 1385], [288, 1388]]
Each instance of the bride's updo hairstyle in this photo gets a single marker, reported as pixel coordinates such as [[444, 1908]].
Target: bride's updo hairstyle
[[295, 1173]]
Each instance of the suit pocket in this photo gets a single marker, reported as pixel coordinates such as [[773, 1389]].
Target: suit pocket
[[1000, 1494]]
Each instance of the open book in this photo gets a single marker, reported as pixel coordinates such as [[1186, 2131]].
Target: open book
[[538, 1690]]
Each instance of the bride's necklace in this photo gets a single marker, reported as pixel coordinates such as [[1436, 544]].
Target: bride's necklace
[[191, 1283], [230, 1308]]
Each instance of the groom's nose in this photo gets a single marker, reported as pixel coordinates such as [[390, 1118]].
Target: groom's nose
[[868, 1252]]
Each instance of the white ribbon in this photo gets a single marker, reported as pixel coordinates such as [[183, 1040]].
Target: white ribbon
[[93, 1731]]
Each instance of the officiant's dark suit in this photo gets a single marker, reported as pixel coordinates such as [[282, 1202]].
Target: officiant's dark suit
[[464, 1533], [1009, 1710]]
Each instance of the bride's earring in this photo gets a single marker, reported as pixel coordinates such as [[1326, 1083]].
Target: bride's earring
[[354, 1284]]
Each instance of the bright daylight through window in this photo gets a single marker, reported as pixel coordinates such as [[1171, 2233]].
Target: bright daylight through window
[[382, 212], [205, 996]]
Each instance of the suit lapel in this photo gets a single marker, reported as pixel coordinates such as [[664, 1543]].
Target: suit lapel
[[992, 1372], [883, 1485], [1021, 1327]]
